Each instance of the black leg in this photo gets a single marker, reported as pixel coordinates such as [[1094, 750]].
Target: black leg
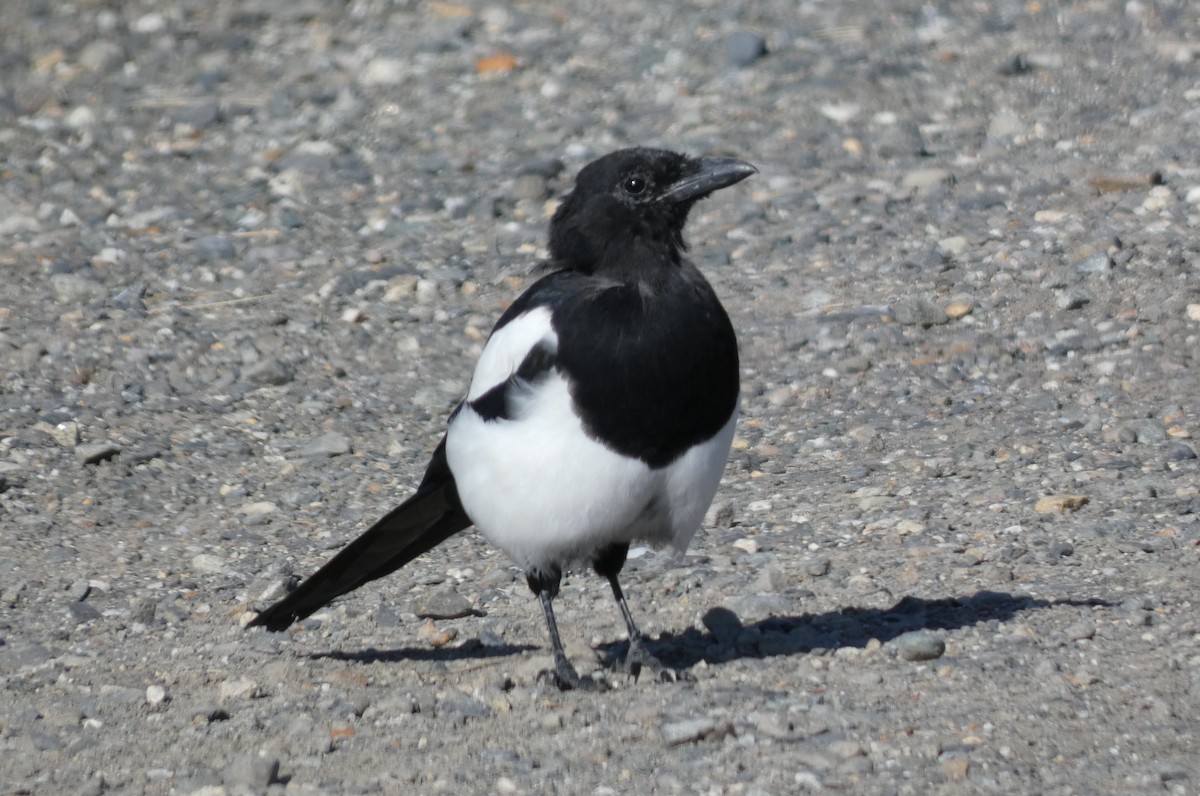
[[609, 564], [563, 675]]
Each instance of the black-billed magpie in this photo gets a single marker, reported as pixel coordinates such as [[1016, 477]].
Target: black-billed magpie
[[600, 413]]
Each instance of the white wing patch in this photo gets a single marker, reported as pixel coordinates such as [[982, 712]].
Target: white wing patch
[[507, 348]]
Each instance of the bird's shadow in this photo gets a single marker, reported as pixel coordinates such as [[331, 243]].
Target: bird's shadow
[[727, 638], [471, 649]]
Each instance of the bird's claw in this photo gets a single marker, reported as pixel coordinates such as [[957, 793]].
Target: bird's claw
[[565, 678], [639, 659]]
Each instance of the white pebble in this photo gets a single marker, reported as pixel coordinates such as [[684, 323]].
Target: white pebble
[[81, 118], [155, 695], [746, 545], [382, 72], [149, 23], [206, 562]]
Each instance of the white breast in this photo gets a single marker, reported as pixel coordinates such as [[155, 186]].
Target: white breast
[[544, 491]]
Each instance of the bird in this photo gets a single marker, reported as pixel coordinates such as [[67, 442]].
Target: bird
[[600, 412]]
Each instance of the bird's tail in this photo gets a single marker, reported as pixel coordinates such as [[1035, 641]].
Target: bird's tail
[[418, 524]]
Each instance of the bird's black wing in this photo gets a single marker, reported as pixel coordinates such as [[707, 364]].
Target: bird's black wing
[[417, 525]]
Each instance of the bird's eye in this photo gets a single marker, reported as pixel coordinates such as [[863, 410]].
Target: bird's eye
[[634, 185]]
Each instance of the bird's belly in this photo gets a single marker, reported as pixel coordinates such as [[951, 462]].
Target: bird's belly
[[546, 493]]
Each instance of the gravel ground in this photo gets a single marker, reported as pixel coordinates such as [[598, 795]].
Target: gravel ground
[[252, 248]]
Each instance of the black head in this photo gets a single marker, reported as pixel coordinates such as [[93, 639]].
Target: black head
[[627, 211]]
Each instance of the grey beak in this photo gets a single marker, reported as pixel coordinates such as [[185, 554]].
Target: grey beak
[[710, 174]]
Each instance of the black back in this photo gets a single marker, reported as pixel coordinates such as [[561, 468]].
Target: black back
[[642, 338]]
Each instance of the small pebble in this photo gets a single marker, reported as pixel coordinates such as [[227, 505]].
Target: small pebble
[[238, 688], [269, 372], [959, 309], [924, 180], [327, 445], [1098, 263], [252, 771], [917, 311], [444, 603], [675, 733], [75, 289], [719, 515], [1180, 452], [1060, 504], [920, 645], [383, 72], [96, 452], [817, 568], [954, 246], [1084, 629], [744, 48], [746, 545], [214, 248], [208, 563], [1072, 299]]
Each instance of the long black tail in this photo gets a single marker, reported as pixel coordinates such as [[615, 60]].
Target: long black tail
[[420, 523]]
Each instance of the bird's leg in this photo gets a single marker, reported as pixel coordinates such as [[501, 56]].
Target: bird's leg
[[609, 564], [563, 674], [638, 657]]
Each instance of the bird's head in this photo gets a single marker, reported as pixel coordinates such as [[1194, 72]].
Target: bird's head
[[628, 209]]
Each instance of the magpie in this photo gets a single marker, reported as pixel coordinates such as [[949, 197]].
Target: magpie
[[600, 413]]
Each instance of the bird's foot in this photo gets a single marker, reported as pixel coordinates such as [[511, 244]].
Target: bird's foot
[[639, 659], [564, 677]]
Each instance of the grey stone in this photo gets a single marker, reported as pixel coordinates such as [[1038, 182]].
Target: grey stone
[[1097, 263], [14, 657], [16, 223], [1072, 299], [73, 288], [79, 590], [101, 55], [197, 114], [251, 771], [675, 733], [919, 645], [130, 298], [531, 187], [817, 567], [743, 48], [926, 179], [442, 603], [1179, 451], [460, 706], [917, 311], [270, 372], [214, 248], [1004, 126], [82, 612], [96, 452], [327, 445]]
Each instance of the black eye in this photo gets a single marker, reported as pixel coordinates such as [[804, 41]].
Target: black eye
[[634, 185]]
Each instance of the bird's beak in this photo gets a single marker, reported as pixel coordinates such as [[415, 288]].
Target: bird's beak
[[706, 176]]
